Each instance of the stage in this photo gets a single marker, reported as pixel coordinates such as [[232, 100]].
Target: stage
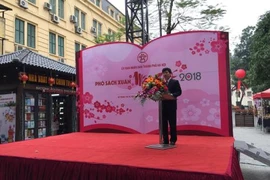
[[107, 156]]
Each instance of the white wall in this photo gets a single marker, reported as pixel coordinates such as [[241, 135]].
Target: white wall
[[246, 100]]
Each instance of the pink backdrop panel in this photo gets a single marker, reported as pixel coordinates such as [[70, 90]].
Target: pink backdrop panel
[[109, 76]]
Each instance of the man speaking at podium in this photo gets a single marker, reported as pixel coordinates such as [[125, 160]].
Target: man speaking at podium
[[169, 107]]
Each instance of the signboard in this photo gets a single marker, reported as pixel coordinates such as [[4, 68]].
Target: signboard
[[7, 117], [111, 74], [53, 90], [44, 80]]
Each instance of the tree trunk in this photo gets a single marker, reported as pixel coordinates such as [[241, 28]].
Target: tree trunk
[[242, 96], [160, 2], [241, 99], [169, 15]]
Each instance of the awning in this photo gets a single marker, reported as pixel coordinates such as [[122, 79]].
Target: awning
[[31, 58], [264, 94]]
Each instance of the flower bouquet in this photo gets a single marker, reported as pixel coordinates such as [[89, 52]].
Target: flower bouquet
[[153, 87]]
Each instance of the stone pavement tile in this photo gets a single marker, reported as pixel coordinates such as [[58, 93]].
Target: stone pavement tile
[[252, 172], [252, 169]]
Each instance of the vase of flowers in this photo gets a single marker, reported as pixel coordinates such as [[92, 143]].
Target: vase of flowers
[[153, 88]]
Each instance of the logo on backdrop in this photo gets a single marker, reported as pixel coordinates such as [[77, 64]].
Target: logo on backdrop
[[138, 77], [142, 57]]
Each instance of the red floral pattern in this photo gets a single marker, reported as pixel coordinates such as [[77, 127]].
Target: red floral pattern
[[99, 109], [184, 66], [180, 66], [218, 46], [78, 103], [178, 63], [199, 48], [87, 98]]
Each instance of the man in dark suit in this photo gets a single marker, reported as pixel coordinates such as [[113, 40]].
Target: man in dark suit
[[169, 107]]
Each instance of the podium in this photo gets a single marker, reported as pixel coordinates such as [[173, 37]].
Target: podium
[[161, 146]]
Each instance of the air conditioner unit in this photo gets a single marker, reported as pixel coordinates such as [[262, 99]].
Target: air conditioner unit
[[47, 6], [62, 60], [23, 4], [55, 18], [73, 19], [78, 29], [18, 47], [93, 30]]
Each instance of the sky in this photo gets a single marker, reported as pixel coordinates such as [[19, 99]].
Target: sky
[[240, 14]]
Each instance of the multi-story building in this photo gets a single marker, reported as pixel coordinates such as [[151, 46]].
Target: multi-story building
[[58, 28]]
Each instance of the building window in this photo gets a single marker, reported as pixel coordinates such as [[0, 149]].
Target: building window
[[31, 35], [98, 3], [111, 34], [121, 19], [60, 10], [53, 4], [61, 46], [110, 31], [95, 24], [25, 30], [83, 47], [19, 31], [98, 27], [52, 43], [56, 47], [249, 93], [80, 18], [32, 1], [112, 13], [83, 20], [77, 14], [79, 47]]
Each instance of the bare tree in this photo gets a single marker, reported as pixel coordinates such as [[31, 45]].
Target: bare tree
[[185, 15]]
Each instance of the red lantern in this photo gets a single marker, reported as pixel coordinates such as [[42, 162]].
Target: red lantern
[[24, 78], [240, 73], [51, 81], [72, 85]]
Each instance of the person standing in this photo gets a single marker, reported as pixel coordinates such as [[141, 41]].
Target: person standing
[[169, 107]]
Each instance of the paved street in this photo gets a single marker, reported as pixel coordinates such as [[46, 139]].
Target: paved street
[[252, 169]]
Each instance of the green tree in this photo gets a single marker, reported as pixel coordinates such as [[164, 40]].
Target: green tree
[[241, 59], [242, 54], [259, 74], [187, 14], [116, 36]]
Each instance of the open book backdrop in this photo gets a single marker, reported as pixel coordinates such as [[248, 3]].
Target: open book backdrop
[[110, 75]]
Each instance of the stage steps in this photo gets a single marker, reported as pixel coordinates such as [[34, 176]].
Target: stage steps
[[253, 152]]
